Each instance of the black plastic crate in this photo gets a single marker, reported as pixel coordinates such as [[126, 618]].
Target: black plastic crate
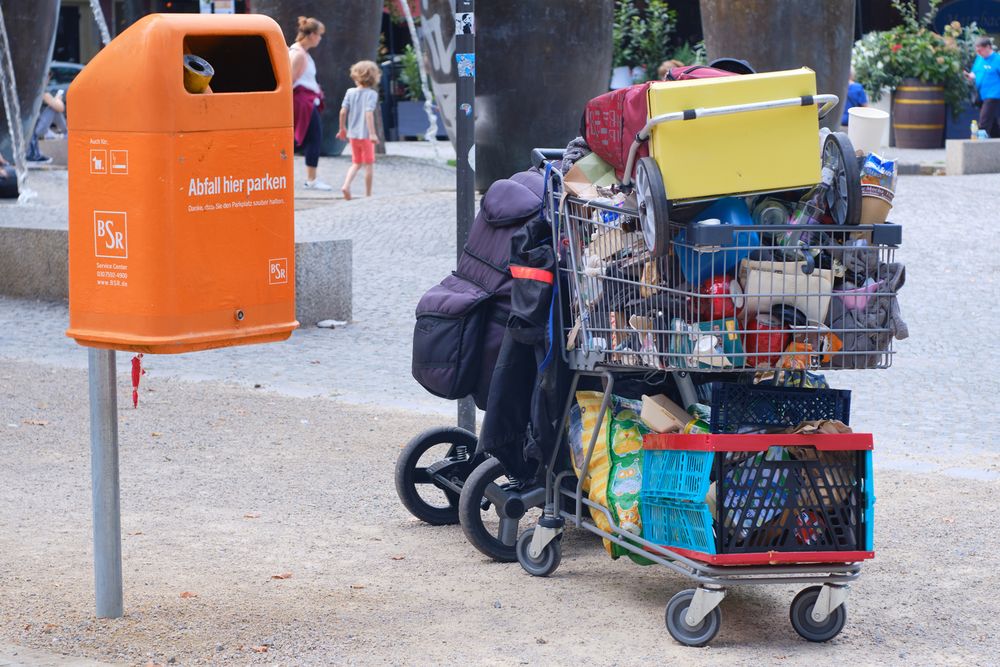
[[791, 499], [738, 407]]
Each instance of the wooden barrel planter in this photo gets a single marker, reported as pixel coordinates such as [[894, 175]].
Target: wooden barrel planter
[[918, 114]]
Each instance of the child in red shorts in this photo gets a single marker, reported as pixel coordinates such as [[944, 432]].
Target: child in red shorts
[[357, 123]]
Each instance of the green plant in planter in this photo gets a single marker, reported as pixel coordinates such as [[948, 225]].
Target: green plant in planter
[[690, 54], [624, 52], [912, 50], [409, 75], [642, 38]]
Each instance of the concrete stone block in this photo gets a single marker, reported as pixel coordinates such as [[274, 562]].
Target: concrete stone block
[[33, 262], [323, 280], [964, 156]]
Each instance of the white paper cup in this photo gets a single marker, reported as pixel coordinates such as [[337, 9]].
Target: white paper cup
[[866, 127]]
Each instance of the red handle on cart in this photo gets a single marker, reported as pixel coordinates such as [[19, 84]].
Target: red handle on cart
[[756, 442]]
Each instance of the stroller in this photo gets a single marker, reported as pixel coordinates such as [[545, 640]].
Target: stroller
[[459, 335]]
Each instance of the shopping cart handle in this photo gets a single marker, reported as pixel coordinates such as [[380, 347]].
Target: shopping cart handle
[[540, 155]]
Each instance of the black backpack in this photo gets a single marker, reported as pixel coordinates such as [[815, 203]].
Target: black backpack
[[461, 320]]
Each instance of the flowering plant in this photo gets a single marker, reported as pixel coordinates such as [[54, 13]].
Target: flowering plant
[[912, 50]]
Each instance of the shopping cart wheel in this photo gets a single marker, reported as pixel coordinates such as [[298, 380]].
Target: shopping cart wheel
[[844, 198], [691, 635], [654, 209], [547, 561], [800, 614], [424, 478]]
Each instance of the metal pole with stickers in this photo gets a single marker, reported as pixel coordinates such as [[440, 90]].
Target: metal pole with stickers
[[465, 151]]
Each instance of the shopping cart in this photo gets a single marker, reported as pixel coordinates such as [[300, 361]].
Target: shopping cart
[[710, 286]]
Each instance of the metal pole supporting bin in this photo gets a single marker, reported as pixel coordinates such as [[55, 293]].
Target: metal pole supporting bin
[[104, 483]]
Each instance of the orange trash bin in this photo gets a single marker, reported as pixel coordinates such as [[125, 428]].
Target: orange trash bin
[[181, 210]]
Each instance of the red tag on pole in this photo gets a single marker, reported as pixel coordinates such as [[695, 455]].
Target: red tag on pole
[[137, 372]]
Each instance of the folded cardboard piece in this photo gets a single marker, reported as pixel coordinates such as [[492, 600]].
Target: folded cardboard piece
[[820, 426], [586, 174], [662, 415]]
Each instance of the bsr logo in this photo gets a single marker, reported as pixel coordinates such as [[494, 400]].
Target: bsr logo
[[110, 234], [277, 271]]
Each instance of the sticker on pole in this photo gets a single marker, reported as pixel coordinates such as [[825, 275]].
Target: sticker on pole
[[465, 23], [111, 234], [466, 64]]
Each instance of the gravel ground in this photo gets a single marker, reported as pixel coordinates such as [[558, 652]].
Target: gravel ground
[[225, 487]]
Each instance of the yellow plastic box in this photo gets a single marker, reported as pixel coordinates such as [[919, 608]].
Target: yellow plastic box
[[754, 151]]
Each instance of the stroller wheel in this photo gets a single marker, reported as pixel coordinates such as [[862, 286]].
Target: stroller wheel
[[430, 472], [491, 509], [654, 209]]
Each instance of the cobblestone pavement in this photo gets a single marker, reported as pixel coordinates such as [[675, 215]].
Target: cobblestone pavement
[[933, 410]]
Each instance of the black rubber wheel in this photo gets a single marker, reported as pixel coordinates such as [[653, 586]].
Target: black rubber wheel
[[800, 613], [547, 561], [438, 505], [843, 200], [481, 501], [654, 209], [691, 635]]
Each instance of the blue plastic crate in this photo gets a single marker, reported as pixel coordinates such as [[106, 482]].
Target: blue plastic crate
[[676, 474], [677, 524]]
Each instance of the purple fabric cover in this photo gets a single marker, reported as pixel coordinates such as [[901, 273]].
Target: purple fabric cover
[[461, 321]]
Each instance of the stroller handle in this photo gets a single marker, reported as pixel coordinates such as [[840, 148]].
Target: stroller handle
[[540, 155], [828, 102]]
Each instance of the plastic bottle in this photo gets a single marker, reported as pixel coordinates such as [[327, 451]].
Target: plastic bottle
[[974, 130]]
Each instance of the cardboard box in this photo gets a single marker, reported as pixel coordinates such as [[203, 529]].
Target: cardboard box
[[662, 415]]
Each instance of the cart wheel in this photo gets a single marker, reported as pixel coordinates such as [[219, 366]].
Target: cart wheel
[[547, 561], [691, 635], [426, 498], [800, 614], [844, 198], [479, 512], [654, 209]]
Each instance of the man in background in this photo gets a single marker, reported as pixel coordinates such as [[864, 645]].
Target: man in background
[[985, 75]]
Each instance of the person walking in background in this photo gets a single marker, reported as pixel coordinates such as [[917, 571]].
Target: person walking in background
[[357, 123], [307, 98], [856, 97], [985, 75]]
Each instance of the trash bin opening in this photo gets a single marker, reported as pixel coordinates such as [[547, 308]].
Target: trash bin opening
[[242, 63]]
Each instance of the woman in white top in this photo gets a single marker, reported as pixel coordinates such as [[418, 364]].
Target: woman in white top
[[307, 98]]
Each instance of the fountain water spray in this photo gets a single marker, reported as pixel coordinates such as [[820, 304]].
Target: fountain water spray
[[102, 25], [12, 107]]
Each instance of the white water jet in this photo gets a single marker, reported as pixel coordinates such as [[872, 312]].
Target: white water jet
[[12, 107], [102, 24]]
